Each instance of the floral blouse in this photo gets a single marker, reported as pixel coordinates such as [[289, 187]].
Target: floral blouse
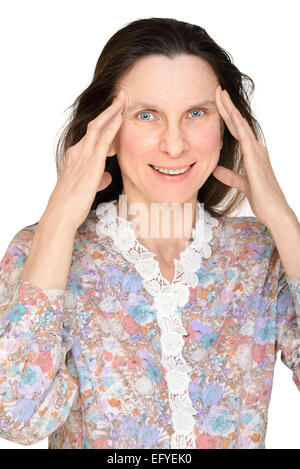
[[123, 358]]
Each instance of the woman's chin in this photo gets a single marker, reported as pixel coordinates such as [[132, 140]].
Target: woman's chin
[[169, 199]]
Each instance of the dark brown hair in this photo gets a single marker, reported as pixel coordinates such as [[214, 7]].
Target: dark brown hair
[[168, 37]]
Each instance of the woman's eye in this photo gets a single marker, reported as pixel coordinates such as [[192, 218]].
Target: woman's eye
[[145, 113], [195, 111]]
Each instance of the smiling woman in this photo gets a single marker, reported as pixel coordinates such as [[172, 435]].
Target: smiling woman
[[176, 136], [160, 131], [154, 342], [157, 60]]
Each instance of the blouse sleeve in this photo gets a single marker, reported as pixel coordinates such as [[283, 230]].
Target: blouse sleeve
[[36, 388], [288, 322]]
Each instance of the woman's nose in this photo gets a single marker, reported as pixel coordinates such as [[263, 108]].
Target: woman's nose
[[173, 141]]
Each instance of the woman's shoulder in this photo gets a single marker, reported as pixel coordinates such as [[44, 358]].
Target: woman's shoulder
[[85, 234], [90, 238], [242, 222], [245, 229]]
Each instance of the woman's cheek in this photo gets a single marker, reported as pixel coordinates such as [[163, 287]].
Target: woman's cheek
[[140, 137], [137, 138], [206, 138]]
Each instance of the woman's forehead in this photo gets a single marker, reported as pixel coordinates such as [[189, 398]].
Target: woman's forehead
[[158, 72]]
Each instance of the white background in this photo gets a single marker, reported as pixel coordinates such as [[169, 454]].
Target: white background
[[48, 53]]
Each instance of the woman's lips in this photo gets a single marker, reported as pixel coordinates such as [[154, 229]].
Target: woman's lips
[[174, 177]]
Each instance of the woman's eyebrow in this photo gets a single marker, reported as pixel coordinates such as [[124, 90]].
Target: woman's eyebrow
[[142, 104]]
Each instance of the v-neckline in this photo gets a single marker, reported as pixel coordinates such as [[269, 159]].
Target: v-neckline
[[168, 299], [156, 257], [113, 223]]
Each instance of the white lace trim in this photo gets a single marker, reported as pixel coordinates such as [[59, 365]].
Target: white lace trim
[[168, 299]]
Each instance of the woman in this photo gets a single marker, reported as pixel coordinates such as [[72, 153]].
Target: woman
[[113, 337]]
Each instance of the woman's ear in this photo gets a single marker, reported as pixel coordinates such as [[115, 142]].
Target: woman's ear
[[222, 132], [113, 148]]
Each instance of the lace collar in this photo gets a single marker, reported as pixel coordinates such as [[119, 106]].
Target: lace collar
[[168, 299], [125, 240]]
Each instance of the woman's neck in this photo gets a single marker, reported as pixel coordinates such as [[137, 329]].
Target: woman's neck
[[164, 229]]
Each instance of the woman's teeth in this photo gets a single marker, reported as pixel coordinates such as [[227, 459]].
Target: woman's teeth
[[172, 171]]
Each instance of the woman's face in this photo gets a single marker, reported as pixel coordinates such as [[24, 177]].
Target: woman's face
[[171, 131]]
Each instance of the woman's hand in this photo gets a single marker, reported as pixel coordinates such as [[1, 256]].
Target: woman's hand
[[83, 172], [260, 186]]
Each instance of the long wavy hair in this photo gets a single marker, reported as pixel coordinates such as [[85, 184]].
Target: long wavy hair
[[168, 37]]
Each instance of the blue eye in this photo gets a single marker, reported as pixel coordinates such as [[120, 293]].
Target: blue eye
[[144, 113], [196, 110]]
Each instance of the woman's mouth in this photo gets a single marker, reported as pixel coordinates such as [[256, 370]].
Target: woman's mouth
[[172, 177]]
